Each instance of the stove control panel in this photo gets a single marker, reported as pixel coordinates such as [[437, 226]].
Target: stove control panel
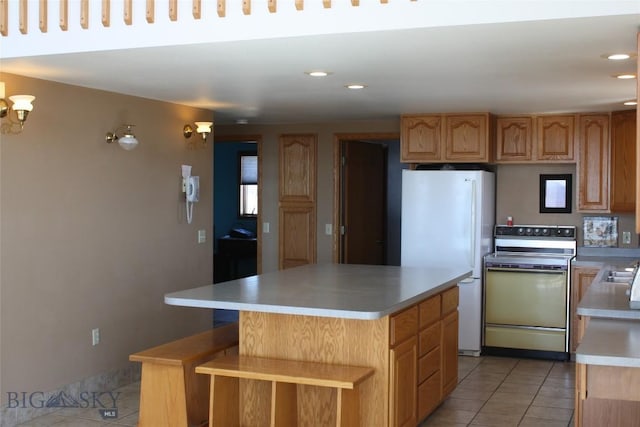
[[546, 231]]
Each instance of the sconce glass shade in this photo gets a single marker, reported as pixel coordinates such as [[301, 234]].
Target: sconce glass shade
[[204, 128], [22, 102], [128, 142]]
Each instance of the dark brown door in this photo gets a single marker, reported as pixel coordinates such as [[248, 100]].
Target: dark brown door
[[364, 202]]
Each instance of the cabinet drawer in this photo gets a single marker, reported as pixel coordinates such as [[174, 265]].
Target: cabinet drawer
[[404, 325], [450, 300], [429, 311], [428, 365], [429, 396], [429, 339]]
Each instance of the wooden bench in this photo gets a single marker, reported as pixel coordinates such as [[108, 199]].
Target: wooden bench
[[284, 375], [171, 394]]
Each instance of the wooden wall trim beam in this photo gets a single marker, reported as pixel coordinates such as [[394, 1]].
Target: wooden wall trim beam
[[173, 10], [24, 17], [64, 15], [246, 7], [272, 5], [84, 14], [222, 8], [299, 4], [128, 12], [43, 22], [197, 9], [106, 13], [150, 12]]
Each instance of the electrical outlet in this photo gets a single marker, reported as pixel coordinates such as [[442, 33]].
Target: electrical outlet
[[328, 229], [95, 336], [626, 237]]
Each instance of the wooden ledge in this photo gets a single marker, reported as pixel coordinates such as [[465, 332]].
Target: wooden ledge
[[287, 371], [185, 350]]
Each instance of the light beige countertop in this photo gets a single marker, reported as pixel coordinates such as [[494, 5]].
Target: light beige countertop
[[607, 299], [327, 290], [610, 342]]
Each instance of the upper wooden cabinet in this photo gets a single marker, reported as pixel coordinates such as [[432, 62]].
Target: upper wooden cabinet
[[555, 138], [623, 161], [439, 138], [421, 137], [593, 163], [514, 139], [535, 139]]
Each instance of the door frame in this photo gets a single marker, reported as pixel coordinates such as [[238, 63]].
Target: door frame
[[338, 139], [258, 140]]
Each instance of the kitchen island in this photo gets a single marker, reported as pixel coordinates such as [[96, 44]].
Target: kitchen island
[[608, 356], [403, 322]]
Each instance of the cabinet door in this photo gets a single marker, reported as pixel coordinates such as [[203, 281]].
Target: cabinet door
[[580, 281], [421, 138], [623, 161], [404, 379], [593, 163], [467, 137], [555, 138], [449, 353], [514, 137]]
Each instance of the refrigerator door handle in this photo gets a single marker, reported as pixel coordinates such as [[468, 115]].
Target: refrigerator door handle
[[472, 237]]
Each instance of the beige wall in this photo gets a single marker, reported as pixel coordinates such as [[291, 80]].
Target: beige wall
[[517, 190], [92, 236]]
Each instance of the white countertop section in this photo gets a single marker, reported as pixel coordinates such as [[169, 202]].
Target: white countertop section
[[327, 290], [610, 342], [607, 299]]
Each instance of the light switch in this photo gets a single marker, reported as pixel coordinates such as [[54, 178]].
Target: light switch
[[626, 237], [265, 227], [202, 236], [328, 229]]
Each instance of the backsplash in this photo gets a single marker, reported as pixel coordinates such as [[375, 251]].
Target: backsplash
[[518, 196]]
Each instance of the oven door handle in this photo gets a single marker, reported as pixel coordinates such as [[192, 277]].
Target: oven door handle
[[527, 270]]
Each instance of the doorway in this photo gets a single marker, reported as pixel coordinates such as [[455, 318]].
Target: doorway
[[368, 183], [237, 189]]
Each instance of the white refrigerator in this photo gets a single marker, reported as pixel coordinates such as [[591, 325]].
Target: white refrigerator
[[447, 219]]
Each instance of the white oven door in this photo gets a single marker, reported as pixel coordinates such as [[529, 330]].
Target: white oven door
[[526, 297]]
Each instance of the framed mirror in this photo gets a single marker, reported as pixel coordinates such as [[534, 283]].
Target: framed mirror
[[555, 193]]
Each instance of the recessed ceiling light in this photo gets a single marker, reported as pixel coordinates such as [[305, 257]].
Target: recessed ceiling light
[[355, 86], [625, 76], [631, 103], [317, 73], [242, 121], [618, 56]]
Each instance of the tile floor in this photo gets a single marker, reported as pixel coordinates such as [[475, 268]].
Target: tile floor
[[492, 391], [498, 391]]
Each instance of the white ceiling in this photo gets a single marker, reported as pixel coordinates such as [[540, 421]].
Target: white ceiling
[[542, 66]]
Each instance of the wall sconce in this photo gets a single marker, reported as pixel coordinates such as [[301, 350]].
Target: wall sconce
[[22, 105], [203, 128], [127, 141]]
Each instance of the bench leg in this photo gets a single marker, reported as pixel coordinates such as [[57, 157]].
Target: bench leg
[[284, 405], [348, 407], [224, 409], [162, 396]]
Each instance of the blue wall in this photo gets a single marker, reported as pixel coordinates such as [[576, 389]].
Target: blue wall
[[225, 194]]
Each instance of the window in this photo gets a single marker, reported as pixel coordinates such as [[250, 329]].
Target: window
[[248, 168]]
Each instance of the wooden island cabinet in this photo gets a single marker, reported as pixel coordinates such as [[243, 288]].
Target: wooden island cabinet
[[400, 321]]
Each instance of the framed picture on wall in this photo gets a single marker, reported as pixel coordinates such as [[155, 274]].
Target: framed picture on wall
[[555, 193]]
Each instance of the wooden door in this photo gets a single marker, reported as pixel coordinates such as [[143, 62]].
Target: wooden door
[[514, 138], [297, 210], [404, 377], [623, 161], [421, 138], [593, 163], [555, 137], [364, 203]]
